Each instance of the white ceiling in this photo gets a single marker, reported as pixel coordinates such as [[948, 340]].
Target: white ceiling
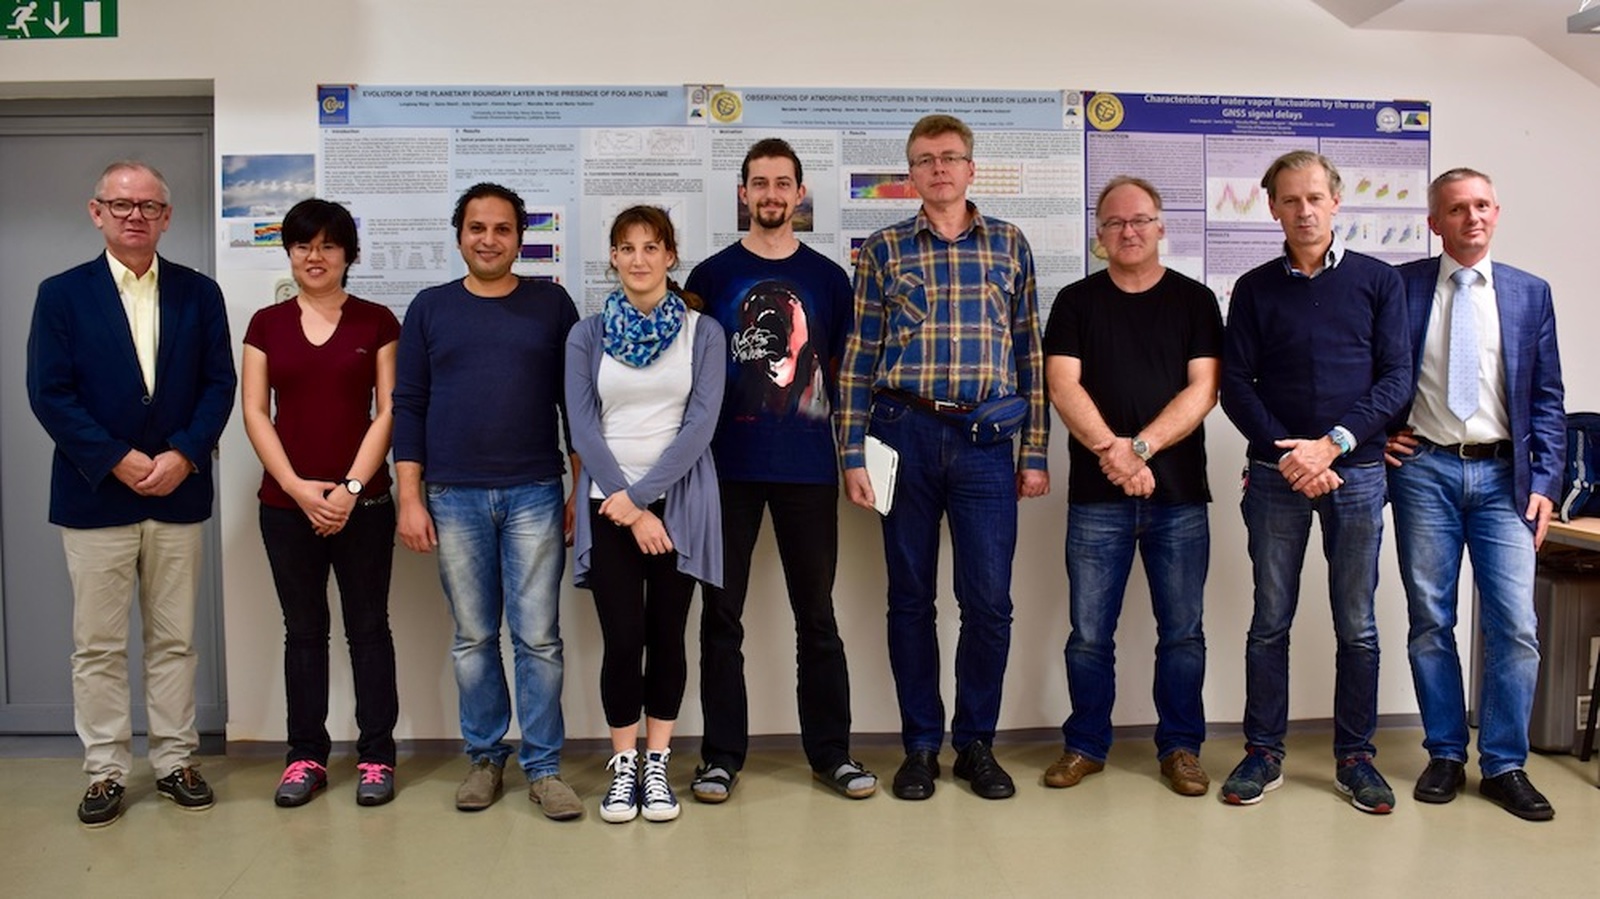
[[1542, 22]]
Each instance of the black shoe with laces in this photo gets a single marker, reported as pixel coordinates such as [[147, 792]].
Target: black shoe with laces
[[102, 804], [976, 763], [187, 788], [1513, 792]]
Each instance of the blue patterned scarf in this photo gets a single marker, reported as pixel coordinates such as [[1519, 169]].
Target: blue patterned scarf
[[634, 338]]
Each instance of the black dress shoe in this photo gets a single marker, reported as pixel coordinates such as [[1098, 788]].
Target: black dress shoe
[[1515, 794], [976, 763], [1440, 781], [917, 773]]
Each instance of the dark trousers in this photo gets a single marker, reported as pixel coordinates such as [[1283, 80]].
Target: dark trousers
[[643, 604], [805, 521], [360, 557]]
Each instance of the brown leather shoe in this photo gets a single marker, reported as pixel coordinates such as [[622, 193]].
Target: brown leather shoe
[[1071, 768], [1182, 770]]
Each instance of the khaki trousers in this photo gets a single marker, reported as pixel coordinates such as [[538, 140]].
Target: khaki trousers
[[107, 565]]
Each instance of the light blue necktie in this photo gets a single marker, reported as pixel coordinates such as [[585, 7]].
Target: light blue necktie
[[1462, 386]]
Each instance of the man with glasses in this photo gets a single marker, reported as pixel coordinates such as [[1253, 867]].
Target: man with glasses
[[1133, 360], [1315, 365], [946, 332], [1476, 465], [130, 371]]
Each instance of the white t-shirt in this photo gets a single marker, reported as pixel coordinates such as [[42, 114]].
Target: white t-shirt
[[641, 409]]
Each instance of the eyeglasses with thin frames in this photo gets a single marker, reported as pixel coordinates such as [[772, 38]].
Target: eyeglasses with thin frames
[[120, 208], [944, 159], [1139, 223], [303, 250]]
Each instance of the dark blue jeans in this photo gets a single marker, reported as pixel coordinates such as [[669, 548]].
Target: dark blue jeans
[[1279, 524], [359, 556], [942, 473], [1174, 541]]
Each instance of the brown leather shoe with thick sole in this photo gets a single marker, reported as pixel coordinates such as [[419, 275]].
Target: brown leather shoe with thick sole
[[1182, 770], [1071, 768]]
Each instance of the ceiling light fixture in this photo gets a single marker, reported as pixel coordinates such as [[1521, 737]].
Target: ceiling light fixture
[[1585, 20]]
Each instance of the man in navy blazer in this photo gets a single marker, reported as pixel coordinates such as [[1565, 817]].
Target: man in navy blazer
[[130, 370], [1476, 464]]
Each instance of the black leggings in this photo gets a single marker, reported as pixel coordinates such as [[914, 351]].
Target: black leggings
[[643, 604]]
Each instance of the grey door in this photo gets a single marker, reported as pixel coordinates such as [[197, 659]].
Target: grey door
[[50, 155]]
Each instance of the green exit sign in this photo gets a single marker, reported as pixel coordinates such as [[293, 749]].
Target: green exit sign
[[40, 20]]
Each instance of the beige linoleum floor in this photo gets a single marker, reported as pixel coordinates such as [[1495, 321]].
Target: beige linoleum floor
[[1120, 833]]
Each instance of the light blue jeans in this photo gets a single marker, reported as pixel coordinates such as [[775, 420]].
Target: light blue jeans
[[501, 551], [1441, 504]]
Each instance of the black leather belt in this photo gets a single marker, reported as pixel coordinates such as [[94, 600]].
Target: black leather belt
[[1500, 449], [937, 407]]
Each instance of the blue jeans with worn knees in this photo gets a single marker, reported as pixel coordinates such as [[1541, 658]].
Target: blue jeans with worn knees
[[501, 551], [942, 473], [1441, 504], [1279, 524], [1174, 540]]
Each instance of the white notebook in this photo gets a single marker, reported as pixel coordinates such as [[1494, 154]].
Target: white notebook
[[883, 468]]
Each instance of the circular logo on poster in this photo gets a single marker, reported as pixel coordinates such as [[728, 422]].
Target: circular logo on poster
[[1388, 119], [1105, 112], [331, 105], [726, 107]]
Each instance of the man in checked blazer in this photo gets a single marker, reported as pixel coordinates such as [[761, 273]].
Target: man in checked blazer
[[130, 370], [1476, 463]]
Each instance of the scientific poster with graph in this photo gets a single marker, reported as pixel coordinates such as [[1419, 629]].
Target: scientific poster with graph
[[398, 156], [1206, 155]]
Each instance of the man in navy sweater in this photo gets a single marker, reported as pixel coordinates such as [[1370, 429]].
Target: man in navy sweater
[[476, 398], [1315, 364]]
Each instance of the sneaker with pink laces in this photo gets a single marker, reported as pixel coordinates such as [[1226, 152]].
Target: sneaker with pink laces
[[377, 783], [301, 780]]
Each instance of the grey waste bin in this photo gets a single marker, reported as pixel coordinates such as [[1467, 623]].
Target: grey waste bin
[[1566, 597]]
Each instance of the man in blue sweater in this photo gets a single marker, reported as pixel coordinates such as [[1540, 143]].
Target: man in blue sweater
[[1315, 364], [476, 398]]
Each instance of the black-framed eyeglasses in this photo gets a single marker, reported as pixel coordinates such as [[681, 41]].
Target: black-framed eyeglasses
[[120, 208], [945, 159], [1139, 223]]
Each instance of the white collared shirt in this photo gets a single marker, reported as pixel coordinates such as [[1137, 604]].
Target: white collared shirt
[[141, 301], [1430, 412]]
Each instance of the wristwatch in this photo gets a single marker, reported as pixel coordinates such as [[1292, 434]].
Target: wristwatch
[[1142, 449], [355, 486], [1342, 439]]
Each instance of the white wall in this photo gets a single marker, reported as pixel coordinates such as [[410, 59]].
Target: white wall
[[1499, 105]]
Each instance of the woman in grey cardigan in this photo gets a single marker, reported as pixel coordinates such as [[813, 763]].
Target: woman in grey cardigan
[[644, 388]]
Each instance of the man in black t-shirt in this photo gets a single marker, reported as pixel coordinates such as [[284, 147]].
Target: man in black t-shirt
[[1132, 362]]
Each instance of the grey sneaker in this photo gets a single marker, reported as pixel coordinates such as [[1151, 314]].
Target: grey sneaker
[[377, 783], [1252, 778], [557, 799], [301, 780], [1368, 791], [481, 788]]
